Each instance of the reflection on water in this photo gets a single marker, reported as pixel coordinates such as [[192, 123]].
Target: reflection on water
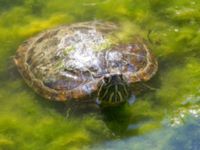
[[164, 118]]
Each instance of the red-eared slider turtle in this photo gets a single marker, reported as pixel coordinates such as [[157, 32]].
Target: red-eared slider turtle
[[79, 60]]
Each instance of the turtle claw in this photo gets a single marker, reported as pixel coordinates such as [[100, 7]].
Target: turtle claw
[[149, 87], [98, 102], [132, 99]]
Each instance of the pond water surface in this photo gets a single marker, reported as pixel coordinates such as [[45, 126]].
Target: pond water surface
[[167, 118]]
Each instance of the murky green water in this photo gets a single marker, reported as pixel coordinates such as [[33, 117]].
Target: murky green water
[[162, 119]]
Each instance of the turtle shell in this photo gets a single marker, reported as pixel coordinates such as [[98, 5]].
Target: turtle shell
[[68, 62]]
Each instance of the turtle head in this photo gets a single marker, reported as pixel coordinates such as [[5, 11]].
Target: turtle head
[[113, 90]]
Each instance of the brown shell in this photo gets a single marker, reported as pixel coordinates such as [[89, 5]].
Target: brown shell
[[68, 62]]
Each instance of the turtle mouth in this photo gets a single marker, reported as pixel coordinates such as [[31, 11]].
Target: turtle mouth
[[113, 90]]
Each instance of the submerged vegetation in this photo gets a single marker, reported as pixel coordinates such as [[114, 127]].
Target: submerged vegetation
[[164, 118]]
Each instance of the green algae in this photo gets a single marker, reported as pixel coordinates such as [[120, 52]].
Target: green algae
[[164, 118]]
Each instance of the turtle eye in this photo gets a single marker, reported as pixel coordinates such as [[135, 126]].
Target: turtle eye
[[106, 79], [121, 76]]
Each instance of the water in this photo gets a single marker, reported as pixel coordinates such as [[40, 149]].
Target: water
[[164, 118]]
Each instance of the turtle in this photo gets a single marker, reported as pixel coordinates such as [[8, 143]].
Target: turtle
[[83, 60]]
